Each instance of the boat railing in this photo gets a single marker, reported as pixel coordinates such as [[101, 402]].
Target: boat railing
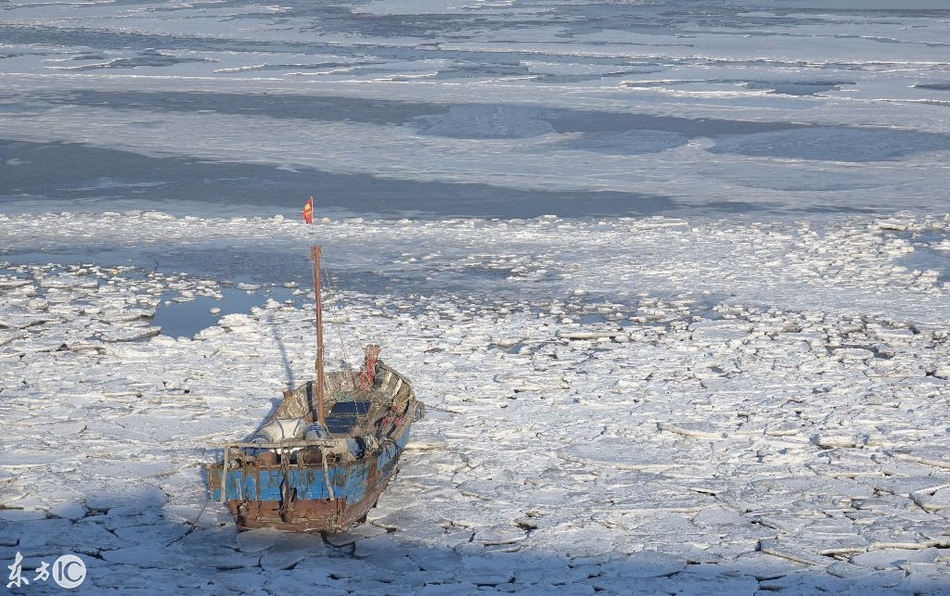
[[325, 446], [292, 444]]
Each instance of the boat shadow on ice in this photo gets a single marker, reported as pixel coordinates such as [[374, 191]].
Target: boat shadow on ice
[[155, 541]]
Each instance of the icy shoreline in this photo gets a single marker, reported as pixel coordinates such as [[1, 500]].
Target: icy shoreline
[[591, 423]]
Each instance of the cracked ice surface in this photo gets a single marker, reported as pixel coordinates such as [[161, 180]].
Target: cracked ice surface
[[703, 406], [624, 390]]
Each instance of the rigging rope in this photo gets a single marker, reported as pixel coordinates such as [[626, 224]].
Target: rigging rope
[[331, 288]]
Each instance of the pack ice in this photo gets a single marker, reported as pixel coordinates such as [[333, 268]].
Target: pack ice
[[663, 405]]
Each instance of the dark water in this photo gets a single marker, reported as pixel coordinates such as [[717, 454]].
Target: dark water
[[184, 319], [91, 176]]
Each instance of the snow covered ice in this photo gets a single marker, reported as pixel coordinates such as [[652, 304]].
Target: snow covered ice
[[677, 437], [673, 281]]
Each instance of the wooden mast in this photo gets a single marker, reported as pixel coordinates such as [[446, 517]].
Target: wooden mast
[[315, 253]]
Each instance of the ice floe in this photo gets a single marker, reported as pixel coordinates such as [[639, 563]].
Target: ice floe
[[652, 427], [671, 278]]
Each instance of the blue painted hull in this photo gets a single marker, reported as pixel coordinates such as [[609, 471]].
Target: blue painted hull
[[328, 483], [352, 481]]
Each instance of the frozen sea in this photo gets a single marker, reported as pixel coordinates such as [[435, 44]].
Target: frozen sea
[[672, 277]]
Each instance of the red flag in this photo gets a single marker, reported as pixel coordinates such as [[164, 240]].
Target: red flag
[[308, 211]]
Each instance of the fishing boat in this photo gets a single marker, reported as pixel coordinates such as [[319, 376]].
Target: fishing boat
[[323, 457]]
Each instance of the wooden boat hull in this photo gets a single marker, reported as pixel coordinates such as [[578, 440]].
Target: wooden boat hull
[[258, 491], [301, 485]]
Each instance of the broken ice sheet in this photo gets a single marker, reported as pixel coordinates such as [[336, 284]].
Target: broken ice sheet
[[627, 400]]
